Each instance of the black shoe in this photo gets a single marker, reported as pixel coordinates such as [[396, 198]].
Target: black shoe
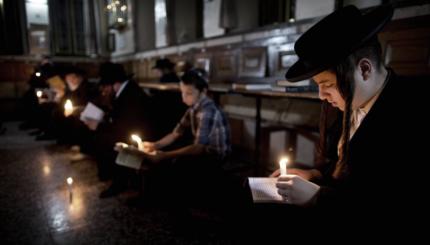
[[112, 191]]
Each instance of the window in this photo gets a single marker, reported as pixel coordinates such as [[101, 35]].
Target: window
[[276, 11], [37, 26]]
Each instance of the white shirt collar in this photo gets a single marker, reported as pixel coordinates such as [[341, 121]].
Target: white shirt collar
[[121, 89]]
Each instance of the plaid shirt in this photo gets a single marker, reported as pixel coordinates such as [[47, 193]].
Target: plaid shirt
[[208, 125]]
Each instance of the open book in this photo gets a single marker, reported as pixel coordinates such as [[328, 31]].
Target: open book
[[128, 159], [92, 112], [264, 190]]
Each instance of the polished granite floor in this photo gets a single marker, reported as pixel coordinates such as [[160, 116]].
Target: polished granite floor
[[36, 209]]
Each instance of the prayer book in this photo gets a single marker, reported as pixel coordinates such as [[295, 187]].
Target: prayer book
[[128, 159], [92, 112], [251, 86], [264, 190]]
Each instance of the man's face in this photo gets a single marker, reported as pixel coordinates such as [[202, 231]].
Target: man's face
[[116, 86], [73, 81], [157, 72], [327, 84], [106, 90], [190, 95]]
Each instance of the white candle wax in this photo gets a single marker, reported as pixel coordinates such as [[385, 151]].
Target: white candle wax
[[68, 108], [283, 165], [138, 140]]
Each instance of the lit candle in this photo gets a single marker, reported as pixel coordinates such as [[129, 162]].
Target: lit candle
[[68, 108], [138, 140], [46, 170], [38, 74], [283, 165], [39, 93], [69, 185]]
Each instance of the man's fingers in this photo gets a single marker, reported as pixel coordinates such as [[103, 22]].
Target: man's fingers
[[286, 178], [284, 192], [284, 184]]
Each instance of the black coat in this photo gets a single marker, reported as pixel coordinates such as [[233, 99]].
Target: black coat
[[384, 158], [129, 113]]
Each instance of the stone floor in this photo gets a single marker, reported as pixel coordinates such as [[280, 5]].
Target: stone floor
[[35, 205]]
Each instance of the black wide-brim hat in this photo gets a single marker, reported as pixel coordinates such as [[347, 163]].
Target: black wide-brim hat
[[163, 64], [110, 73], [73, 70], [334, 38]]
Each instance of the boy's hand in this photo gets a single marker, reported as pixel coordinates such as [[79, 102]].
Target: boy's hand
[[156, 156], [275, 173], [149, 147]]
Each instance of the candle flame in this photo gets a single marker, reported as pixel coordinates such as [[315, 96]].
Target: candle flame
[[46, 170], [283, 165], [136, 138], [39, 94], [68, 105], [69, 181]]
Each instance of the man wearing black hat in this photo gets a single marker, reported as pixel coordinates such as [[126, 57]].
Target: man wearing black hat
[[167, 71], [341, 53], [79, 91], [128, 116]]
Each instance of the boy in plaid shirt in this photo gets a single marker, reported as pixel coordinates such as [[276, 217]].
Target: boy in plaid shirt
[[193, 172], [208, 124]]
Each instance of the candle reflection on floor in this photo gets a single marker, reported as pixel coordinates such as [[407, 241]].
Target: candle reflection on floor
[[67, 213]]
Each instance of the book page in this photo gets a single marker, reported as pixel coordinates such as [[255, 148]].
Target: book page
[[264, 190], [92, 112], [129, 160]]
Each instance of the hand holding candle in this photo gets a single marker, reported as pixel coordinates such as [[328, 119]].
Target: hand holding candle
[[68, 108], [283, 165]]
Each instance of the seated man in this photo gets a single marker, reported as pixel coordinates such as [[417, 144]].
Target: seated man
[[166, 70], [128, 115], [351, 75]]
